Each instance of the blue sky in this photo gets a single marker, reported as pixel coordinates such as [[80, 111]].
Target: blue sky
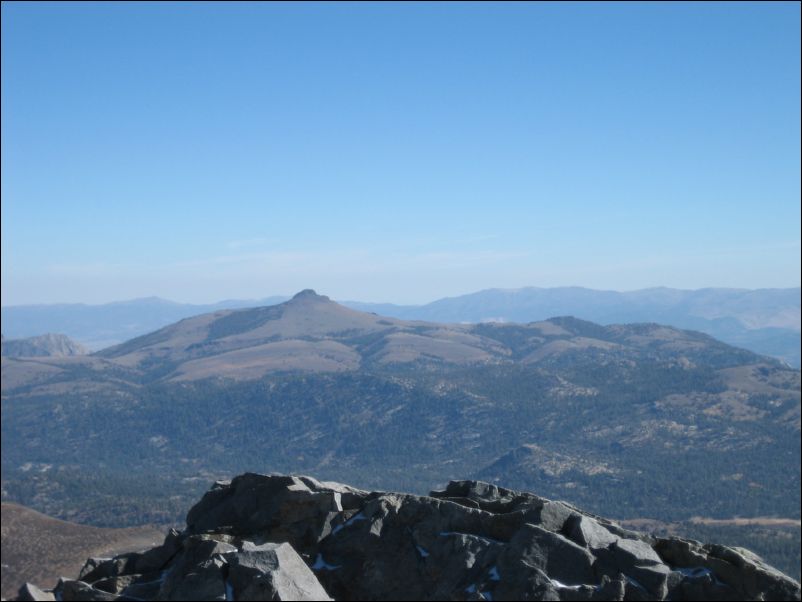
[[396, 152]]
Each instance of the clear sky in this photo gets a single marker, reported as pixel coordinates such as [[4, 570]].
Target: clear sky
[[396, 152]]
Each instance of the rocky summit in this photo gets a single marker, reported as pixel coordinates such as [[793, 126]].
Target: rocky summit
[[260, 537]]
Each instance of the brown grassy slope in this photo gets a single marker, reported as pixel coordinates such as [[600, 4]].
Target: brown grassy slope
[[40, 549], [312, 333]]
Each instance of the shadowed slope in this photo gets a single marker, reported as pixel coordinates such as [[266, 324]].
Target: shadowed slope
[[40, 549]]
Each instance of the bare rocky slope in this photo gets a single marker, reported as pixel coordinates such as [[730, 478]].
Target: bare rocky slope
[[261, 537], [46, 345], [39, 548]]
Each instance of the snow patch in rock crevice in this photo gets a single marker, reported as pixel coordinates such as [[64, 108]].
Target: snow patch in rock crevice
[[356, 517], [561, 585]]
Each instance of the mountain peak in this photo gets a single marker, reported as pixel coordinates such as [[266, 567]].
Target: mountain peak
[[309, 294]]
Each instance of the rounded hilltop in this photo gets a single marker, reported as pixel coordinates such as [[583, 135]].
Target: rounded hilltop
[[309, 294]]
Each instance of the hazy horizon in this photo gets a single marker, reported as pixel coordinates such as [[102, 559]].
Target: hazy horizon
[[396, 153], [346, 298]]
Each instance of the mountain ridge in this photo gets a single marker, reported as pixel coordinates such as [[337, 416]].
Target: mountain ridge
[[766, 321], [310, 332], [46, 345]]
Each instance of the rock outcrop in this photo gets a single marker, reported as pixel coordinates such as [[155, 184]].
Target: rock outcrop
[[261, 537]]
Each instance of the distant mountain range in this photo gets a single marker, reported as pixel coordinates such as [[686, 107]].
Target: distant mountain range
[[313, 334], [766, 321], [46, 345], [99, 326]]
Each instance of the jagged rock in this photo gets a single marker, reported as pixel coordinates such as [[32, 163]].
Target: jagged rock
[[278, 537], [633, 552], [142, 590], [635, 592], [562, 560], [740, 570], [641, 565], [526, 583], [92, 569], [120, 583], [80, 591], [133, 574], [608, 589], [157, 558], [297, 510], [701, 584], [29, 592], [101, 568], [272, 572], [503, 527], [374, 547], [408, 546], [586, 532], [486, 496], [553, 515], [197, 571], [527, 507]]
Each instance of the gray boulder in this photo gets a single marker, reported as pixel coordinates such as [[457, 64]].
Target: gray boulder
[[102, 568], [587, 532], [197, 571], [157, 558], [634, 552], [115, 585], [79, 591], [639, 563], [271, 572], [29, 592], [525, 582], [298, 510], [608, 589], [488, 497], [559, 558], [734, 569]]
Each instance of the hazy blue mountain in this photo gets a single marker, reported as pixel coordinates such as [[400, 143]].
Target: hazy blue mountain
[[98, 326], [766, 321]]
